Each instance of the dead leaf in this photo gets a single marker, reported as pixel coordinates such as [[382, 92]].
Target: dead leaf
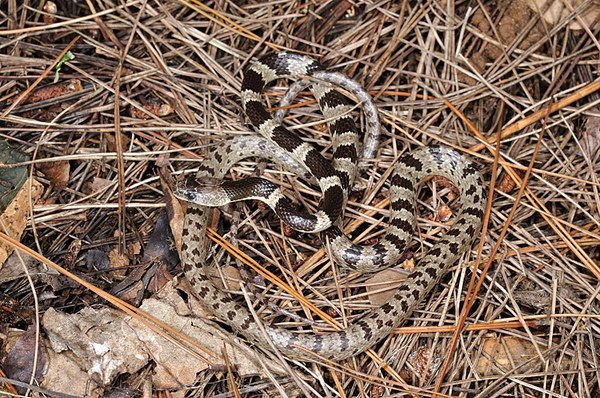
[[97, 185], [66, 376], [108, 343], [135, 248], [228, 274], [118, 262], [499, 354], [507, 184], [51, 91], [72, 253], [175, 208], [97, 260], [111, 142], [56, 172], [516, 16], [154, 271], [444, 213], [160, 246], [13, 268], [99, 340], [14, 218], [19, 359], [590, 139], [155, 107], [554, 11], [382, 285]]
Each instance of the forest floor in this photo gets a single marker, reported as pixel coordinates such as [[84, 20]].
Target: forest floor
[[94, 301]]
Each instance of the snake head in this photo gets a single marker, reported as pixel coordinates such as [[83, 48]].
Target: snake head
[[204, 191]]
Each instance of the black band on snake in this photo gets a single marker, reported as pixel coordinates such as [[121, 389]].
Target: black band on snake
[[335, 182]]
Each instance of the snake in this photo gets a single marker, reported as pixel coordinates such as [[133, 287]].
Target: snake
[[208, 189]]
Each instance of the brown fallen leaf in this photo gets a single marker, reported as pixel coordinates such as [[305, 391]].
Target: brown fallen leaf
[[14, 218], [228, 274], [499, 354], [65, 375], [72, 253], [381, 286], [57, 173], [107, 343], [134, 248], [97, 260], [97, 185], [155, 107], [19, 358], [515, 17], [590, 138], [98, 340], [507, 184], [175, 208], [53, 90], [554, 11], [444, 213], [111, 142], [154, 270], [118, 262]]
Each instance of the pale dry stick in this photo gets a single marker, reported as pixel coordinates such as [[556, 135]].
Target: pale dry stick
[[153, 323], [120, 163]]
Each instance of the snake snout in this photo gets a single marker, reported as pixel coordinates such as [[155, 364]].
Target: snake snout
[[205, 191]]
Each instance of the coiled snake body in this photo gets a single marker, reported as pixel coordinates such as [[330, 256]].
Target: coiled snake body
[[335, 180]]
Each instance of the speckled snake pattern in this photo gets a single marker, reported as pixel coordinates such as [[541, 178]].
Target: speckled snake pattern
[[335, 179]]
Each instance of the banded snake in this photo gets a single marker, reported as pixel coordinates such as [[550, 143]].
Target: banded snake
[[335, 179]]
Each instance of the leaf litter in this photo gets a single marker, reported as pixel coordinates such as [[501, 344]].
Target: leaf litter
[[447, 73]]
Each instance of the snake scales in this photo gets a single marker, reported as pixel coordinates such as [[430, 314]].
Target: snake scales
[[335, 179]]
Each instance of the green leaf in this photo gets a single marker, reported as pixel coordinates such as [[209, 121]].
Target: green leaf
[[11, 178], [67, 57]]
